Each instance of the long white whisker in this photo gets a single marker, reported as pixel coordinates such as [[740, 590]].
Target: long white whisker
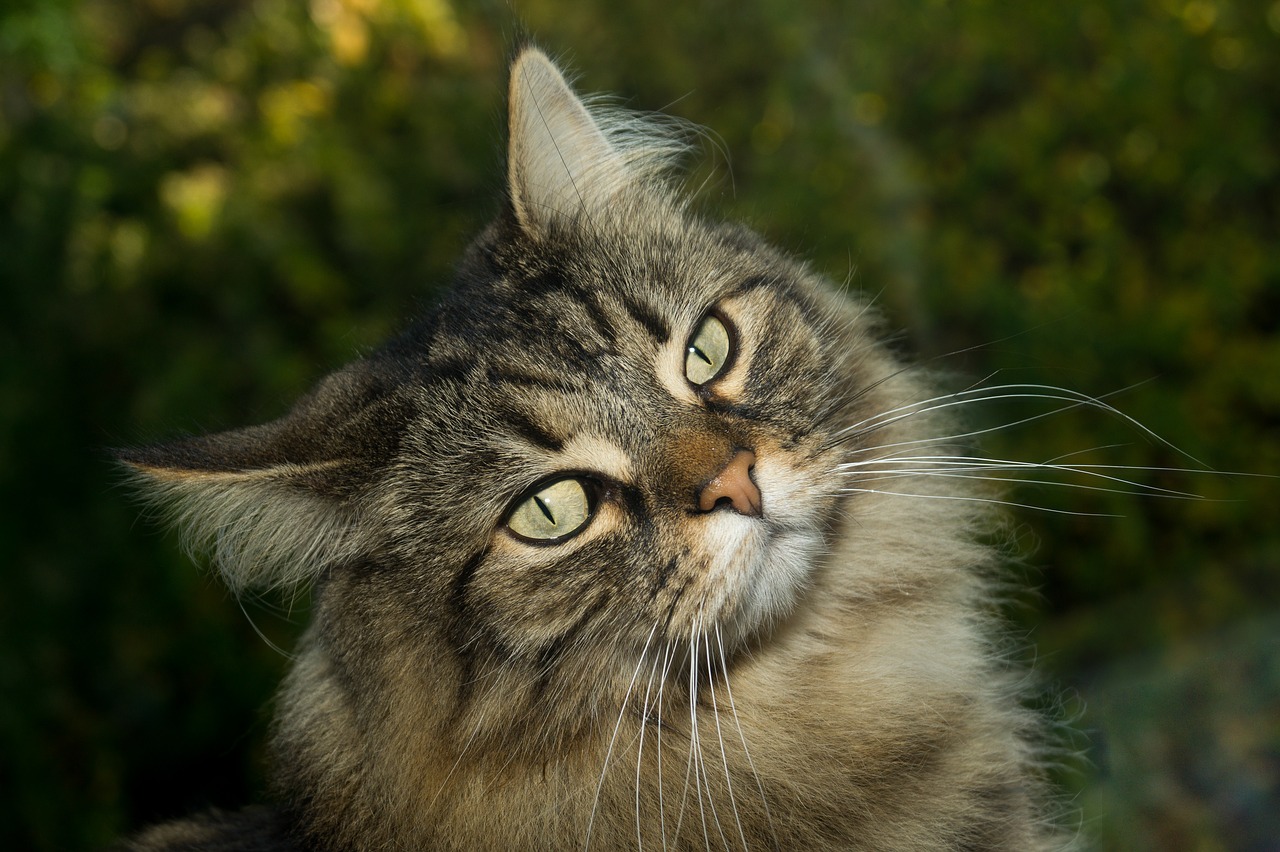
[[968, 466], [1002, 392], [702, 761], [1138, 489], [667, 657], [994, 501], [695, 740], [724, 755], [1075, 403], [684, 794], [622, 711], [764, 801], [982, 394], [889, 421], [644, 724]]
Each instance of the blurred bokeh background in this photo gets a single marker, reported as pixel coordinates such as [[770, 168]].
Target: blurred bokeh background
[[207, 204]]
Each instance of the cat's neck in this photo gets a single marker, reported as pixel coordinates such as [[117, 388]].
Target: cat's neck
[[755, 743]]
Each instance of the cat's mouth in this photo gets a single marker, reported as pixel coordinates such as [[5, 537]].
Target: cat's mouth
[[751, 567]]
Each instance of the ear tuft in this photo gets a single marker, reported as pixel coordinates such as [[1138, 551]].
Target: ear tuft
[[262, 528], [277, 504]]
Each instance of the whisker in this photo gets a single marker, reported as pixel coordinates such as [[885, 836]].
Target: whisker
[[997, 393], [991, 500], [705, 782], [667, 657], [684, 794], [644, 723], [617, 725], [724, 755], [1141, 490], [967, 467], [764, 801]]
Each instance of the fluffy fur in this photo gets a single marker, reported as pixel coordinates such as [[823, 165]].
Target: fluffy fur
[[819, 676]]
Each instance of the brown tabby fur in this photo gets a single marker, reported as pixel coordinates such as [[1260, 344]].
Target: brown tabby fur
[[823, 676]]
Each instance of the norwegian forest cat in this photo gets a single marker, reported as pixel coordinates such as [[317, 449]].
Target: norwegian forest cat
[[636, 541]]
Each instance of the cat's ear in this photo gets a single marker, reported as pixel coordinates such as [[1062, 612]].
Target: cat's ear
[[278, 503], [567, 162], [560, 162]]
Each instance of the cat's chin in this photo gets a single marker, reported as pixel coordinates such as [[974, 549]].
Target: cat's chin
[[759, 570], [776, 563]]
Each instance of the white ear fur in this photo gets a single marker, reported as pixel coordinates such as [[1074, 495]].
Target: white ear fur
[[559, 161], [565, 160], [259, 530]]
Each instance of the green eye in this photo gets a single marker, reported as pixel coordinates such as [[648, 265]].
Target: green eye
[[709, 351], [556, 511]]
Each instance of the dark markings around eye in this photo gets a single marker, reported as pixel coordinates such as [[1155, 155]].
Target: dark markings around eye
[[526, 427], [647, 318]]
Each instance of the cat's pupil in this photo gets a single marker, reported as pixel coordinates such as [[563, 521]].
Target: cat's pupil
[[545, 511]]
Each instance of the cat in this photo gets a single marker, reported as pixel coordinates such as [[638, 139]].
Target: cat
[[631, 542]]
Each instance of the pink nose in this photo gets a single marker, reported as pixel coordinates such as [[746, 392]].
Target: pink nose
[[734, 486]]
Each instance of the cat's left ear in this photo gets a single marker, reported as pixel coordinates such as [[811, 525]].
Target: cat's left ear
[[276, 504], [560, 162]]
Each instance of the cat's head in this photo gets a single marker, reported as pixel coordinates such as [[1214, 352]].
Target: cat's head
[[618, 429]]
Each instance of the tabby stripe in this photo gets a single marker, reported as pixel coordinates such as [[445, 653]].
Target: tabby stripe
[[755, 282], [647, 318], [590, 302], [461, 632], [664, 574], [526, 428], [551, 652], [461, 583], [782, 292], [508, 376], [452, 369]]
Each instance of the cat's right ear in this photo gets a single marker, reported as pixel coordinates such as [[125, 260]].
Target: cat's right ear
[[567, 161], [560, 164], [276, 504]]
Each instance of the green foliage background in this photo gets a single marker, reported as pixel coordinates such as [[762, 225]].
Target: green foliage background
[[205, 205]]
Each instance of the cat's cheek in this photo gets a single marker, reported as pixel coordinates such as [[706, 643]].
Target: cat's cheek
[[779, 575], [795, 489], [532, 594]]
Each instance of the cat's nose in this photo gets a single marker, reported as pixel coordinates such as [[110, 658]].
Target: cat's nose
[[733, 487]]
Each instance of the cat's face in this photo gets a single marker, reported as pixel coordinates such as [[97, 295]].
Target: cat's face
[[642, 443], [619, 429]]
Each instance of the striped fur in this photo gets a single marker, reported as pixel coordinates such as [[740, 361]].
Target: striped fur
[[824, 676]]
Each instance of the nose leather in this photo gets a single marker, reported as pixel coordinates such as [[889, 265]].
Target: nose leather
[[734, 484]]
